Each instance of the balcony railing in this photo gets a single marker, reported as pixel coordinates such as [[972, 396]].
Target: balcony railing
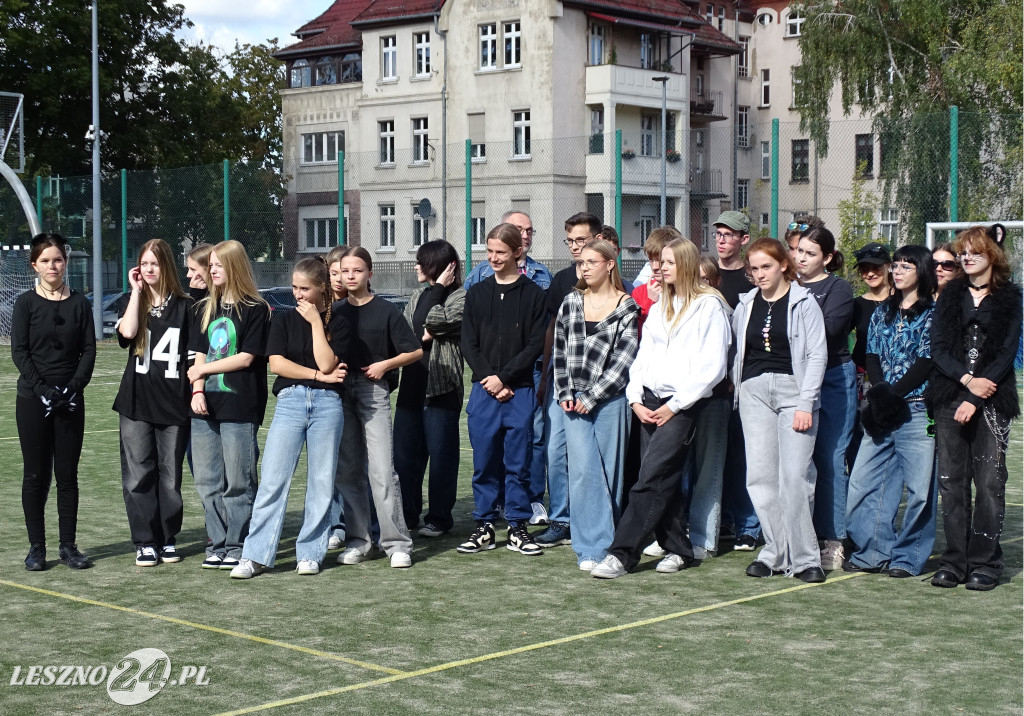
[[705, 182], [706, 103]]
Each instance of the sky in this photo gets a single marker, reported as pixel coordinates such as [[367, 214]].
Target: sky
[[222, 22]]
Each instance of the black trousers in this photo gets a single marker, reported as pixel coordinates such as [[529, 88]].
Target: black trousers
[[972, 454], [657, 503], [50, 447]]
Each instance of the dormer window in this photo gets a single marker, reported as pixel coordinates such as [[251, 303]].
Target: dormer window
[[326, 71], [301, 74]]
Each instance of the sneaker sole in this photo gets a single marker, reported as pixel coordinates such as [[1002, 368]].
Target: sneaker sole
[[474, 550], [245, 576], [528, 552], [204, 565], [559, 543], [170, 560], [227, 566], [143, 563], [605, 575], [307, 572]]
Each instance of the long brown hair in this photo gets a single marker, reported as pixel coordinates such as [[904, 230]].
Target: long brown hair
[[167, 285], [981, 243], [315, 269]]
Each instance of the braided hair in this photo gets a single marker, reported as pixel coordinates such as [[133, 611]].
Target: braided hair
[[315, 269]]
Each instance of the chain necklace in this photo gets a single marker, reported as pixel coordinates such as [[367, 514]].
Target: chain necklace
[[158, 311], [595, 306]]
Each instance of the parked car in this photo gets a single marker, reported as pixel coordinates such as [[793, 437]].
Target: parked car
[[280, 298]]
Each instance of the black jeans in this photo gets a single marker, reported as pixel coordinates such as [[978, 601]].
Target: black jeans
[[50, 446], [657, 502], [969, 454], [151, 464]]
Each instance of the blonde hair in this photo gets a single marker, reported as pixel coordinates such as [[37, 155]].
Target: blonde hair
[[687, 286], [315, 269], [238, 278], [608, 252], [168, 284]]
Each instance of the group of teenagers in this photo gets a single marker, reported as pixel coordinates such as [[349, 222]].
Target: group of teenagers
[[651, 415]]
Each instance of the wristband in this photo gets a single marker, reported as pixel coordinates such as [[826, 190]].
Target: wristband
[[315, 371], [968, 381], [199, 392]]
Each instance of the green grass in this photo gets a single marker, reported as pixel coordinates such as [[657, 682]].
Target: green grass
[[861, 644]]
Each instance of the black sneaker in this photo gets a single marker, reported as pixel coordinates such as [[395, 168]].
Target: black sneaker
[[146, 557], [519, 540], [169, 554], [481, 540], [70, 556], [811, 575], [557, 533], [745, 543], [36, 559], [429, 529], [760, 569]]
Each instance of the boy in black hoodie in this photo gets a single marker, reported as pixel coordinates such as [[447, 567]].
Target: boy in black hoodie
[[502, 336]]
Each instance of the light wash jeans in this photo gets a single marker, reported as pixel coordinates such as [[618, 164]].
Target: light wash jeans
[[596, 449], [902, 457], [780, 477], [225, 455], [704, 469], [366, 467], [558, 467], [835, 430], [303, 416]]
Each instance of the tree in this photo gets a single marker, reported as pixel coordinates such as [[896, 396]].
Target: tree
[[906, 63]]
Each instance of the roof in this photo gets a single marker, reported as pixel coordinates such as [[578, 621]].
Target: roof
[[330, 30], [380, 11], [706, 36], [668, 12]]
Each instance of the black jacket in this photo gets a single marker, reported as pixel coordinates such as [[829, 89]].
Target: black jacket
[[995, 357], [504, 336]]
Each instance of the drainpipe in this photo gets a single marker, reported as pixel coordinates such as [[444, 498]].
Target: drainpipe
[[735, 104], [444, 129]]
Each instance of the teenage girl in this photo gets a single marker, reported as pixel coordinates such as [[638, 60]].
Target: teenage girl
[[947, 267], [305, 347], [817, 262], [338, 293], [229, 397], [197, 265], [153, 323], [53, 345], [382, 342]]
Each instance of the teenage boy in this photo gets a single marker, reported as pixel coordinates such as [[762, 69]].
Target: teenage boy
[[502, 336], [532, 269]]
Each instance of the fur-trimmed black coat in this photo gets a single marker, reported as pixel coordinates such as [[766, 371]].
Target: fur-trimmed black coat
[[1001, 338]]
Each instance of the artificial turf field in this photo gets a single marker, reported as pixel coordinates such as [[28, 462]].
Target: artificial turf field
[[495, 632]]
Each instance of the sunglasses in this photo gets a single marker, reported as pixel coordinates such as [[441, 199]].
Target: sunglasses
[[946, 265], [798, 227]]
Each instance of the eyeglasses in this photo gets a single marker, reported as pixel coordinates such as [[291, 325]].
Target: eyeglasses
[[589, 263], [579, 241], [526, 232], [965, 256], [798, 227], [724, 235], [902, 268], [946, 265]]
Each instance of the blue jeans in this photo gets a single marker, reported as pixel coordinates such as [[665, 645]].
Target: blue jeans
[[704, 469], [427, 433], [902, 457], [303, 416], [557, 459], [835, 430], [501, 436], [735, 499], [597, 447], [225, 455]]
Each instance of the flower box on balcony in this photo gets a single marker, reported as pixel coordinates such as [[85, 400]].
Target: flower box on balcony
[[628, 154], [672, 156]]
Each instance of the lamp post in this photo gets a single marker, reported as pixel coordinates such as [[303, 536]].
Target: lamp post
[[664, 158], [97, 209]]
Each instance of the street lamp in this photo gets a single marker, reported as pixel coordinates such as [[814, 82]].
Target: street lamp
[[97, 209], [664, 157]]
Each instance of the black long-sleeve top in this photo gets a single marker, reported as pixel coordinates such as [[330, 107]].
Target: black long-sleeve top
[[503, 329], [53, 343]]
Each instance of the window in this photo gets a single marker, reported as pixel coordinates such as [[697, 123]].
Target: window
[[794, 21], [721, 18], [646, 51], [322, 147], [670, 130], [596, 45], [387, 226], [863, 223], [321, 233], [521, 134], [705, 229], [421, 53], [742, 193], [386, 130], [766, 160], [698, 137], [647, 141], [597, 130], [798, 86], [489, 47], [888, 221], [742, 127], [352, 67], [765, 19], [326, 71], [420, 228], [800, 160], [699, 85], [709, 14], [887, 156], [419, 140], [766, 89], [479, 215], [646, 227], [389, 59], [513, 44], [762, 221], [864, 156], [301, 74], [478, 142], [743, 68]]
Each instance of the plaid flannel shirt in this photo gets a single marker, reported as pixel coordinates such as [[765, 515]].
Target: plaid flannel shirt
[[593, 368]]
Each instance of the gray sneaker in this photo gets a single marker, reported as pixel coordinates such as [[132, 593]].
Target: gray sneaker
[[609, 568], [672, 563]]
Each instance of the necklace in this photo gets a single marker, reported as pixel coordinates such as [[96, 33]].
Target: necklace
[[982, 287], [595, 306], [767, 328], [158, 311], [48, 293]]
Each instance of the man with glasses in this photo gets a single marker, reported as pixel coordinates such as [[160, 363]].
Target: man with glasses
[[533, 270], [732, 233]]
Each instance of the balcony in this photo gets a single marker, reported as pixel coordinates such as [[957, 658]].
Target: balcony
[[633, 86], [706, 183], [706, 104]]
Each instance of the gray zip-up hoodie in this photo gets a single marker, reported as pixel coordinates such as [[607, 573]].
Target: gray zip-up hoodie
[[805, 328]]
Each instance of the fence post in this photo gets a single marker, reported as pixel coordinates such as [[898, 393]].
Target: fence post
[[227, 201], [341, 199], [954, 163], [124, 231], [39, 200], [469, 205], [775, 178], [618, 182]]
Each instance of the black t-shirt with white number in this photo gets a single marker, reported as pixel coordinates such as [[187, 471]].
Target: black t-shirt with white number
[[291, 337], [379, 331], [154, 388]]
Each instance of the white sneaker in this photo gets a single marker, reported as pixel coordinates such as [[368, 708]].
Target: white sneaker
[[587, 565], [654, 549], [832, 554], [306, 567], [247, 569], [672, 563], [401, 560], [335, 542], [540, 514], [351, 556], [609, 568]]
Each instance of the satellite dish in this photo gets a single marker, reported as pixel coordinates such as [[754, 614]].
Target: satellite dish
[[424, 209]]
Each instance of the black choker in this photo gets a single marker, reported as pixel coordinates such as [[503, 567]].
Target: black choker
[[982, 287]]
